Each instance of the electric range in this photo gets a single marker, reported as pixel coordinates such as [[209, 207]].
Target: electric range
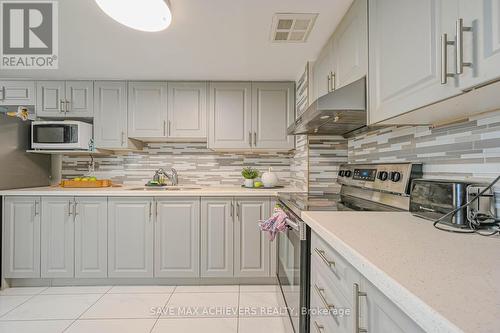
[[364, 187]]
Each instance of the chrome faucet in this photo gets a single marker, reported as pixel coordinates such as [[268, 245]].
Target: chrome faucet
[[172, 176]]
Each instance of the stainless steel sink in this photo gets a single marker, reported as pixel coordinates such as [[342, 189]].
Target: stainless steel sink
[[165, 188]]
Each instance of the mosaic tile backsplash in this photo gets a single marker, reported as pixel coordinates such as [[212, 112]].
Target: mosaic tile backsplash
[[462, 150], [326, 154], [195, 164]]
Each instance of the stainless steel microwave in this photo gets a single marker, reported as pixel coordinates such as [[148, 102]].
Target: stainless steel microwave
[[74, 135]]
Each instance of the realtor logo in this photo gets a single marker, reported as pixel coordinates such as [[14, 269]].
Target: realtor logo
[[29, 38]]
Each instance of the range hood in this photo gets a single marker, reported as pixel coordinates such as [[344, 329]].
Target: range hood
[[340, 112]]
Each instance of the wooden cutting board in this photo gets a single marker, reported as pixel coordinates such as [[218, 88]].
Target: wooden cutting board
[[86, 184]]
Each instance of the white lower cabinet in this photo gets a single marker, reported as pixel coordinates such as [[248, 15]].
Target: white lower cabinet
[[251, 246], [337, 286], [91, 228], [130, 237], [383, 316], [21, 237], [57, 237], [177, 237], [217, 225]]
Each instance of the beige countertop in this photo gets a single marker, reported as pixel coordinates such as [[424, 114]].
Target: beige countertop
[[128, 191], [445, 282]]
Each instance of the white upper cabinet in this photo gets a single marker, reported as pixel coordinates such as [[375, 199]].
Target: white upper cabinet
[[230, 115], [65, 99], [481, 44], [405, 55], [350, 45], [110, 119], [323, 71], [187, 110], [273, 110], [17, 93], [147, 109]]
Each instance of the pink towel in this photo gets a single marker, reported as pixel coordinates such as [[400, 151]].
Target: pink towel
[[276, 223]]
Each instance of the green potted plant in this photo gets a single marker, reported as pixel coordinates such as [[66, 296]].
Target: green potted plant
[[249, 174]]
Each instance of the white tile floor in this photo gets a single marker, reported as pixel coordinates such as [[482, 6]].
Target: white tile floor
[[200, 309]]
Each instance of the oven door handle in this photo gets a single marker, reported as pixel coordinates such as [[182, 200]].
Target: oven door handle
[[291, 224]]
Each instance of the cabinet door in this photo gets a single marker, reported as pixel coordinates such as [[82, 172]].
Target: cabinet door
[[130, 237], [57, 241], [79, 99], [177, 237], [21, 220], [351, 45], [187, 110], [323, 67], [110, 119], [251, 247], [17, 93], [217, 237], [51, 98], [405, 55], [481, 46], [91, 228], [147, 109], [230, 117], [273, 110], [383, 316]]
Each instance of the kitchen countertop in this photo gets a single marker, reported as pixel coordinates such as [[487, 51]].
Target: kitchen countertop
[[445, 282], [127, 191]]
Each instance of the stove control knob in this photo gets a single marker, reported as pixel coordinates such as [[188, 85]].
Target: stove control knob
[[383, 175], [341, 173], [348, 173], [395, 176]]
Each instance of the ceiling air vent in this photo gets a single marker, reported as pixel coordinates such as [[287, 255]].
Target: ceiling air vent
[[292, 27]]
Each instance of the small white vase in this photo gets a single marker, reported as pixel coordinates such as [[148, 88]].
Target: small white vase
[[269, 179], [249, 183]]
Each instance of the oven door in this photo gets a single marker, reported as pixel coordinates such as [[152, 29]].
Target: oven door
[[293, 271], [54, 136]]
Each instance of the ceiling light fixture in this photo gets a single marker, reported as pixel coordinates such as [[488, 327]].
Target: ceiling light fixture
[[143, 15]]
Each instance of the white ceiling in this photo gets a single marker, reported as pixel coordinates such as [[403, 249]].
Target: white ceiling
[[208, 40]]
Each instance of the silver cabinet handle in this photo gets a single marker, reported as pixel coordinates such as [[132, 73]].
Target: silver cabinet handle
[[67, 106], [255, 138], [238, 207], [319, 328], [157, 212], [169, 128], [320, 292], [123, 138], [231, 213], [250, 138], [444, 58], [75, 212], [61, 105], [164, 128], [321, 254], [69, 208], [328, 83], [332, 81], [357, 294], [460, 46], [36, 208]]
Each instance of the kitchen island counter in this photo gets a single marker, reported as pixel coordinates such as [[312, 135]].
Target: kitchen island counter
[[445, 282]]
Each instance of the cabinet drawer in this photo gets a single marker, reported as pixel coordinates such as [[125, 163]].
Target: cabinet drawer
[[327, 261], [331, 311]]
